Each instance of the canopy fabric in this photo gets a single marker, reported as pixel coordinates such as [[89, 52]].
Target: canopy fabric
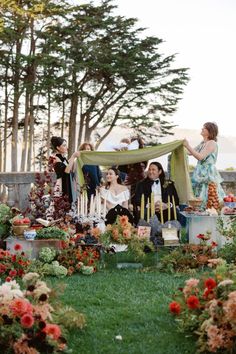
[[179, 168]]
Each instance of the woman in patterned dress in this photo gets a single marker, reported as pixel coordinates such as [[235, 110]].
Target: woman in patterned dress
[[205, 171]]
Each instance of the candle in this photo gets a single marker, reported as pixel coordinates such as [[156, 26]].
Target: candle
[[152, 205], [82, 204], [174, 207], [168, 204], [78, 204], [142, 207], [85, 203], [104, 207], [99, 205], [148, 210], [161, 213], [91, 205]]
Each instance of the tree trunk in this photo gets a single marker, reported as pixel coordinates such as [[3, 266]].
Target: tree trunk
[[31, 133], [63, 115], [72, 123], [25, 134], [5, 123], [16, 84], [49, 125]]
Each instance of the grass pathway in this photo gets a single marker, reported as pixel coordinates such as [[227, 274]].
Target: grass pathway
[[130, 303]]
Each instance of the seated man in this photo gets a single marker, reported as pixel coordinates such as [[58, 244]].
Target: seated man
[[161, 188]]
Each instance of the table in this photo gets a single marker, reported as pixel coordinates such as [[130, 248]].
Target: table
[[199, 224], [31, 247]]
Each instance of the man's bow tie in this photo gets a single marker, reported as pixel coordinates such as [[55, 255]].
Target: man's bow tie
[[155, 182]]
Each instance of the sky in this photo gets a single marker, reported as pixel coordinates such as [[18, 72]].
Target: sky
[[202, 34]]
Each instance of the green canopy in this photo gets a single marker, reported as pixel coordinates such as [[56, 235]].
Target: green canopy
[[179, 168]]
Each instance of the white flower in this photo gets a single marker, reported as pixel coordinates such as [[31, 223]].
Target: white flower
[[225, 282], [10, 290]]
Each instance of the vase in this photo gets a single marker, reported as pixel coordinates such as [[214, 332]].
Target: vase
[[18, 230]]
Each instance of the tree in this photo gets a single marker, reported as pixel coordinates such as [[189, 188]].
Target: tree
[[115, 74]]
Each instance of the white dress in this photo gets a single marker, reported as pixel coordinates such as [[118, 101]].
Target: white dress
[[120, 198]]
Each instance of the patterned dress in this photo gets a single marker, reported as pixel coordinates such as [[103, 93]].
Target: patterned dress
[[206, 172]]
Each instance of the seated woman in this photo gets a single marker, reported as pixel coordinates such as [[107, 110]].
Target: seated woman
[[114, 193]]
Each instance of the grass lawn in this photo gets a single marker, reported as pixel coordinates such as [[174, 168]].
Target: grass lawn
[[132, 303]]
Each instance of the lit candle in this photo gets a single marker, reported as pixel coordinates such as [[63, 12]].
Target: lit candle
[[168, 204], [142, 207], [161, 213], [148, 210], [174, 207], [152, 205]]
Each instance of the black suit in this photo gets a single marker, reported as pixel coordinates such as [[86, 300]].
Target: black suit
[[144, 187]]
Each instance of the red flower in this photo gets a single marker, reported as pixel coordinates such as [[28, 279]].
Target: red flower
[[27, 320], [12, 273], [193, 302], [201, 236], [214, 244], [210, 283], [17, 247], [175, 308], [8, 279], [52, 330], [208, 294]]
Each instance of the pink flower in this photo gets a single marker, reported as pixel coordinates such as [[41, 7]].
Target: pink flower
[[27, 320], [192, 282], [52, 330], [17, 247]]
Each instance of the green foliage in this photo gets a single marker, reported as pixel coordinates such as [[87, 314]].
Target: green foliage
[[52, 232], [5, 213], [227, 227], [228, 252], [47, 254]]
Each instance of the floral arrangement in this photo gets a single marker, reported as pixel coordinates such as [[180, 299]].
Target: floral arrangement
[[190, 256], [79, 259], [122, 232], [207, 306], [28, 321], [52, 232], [13, 266]]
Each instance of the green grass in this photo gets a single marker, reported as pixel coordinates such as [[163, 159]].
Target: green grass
[[127, 302]]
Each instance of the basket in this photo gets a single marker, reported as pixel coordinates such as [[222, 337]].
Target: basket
[[195, 203], [18, 230]]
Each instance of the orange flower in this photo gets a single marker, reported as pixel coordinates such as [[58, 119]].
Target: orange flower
[[123, 220], [115, 233], [95, 232], [20, 306], [52, 330], [127, 233]]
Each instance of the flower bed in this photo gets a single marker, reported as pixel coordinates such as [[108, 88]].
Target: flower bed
[[207, 306], [29, 323]]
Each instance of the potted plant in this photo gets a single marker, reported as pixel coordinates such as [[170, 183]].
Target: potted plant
[[5, 216]]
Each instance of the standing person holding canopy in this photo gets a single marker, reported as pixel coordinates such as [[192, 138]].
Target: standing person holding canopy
[[205, 171], [65, 184]]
